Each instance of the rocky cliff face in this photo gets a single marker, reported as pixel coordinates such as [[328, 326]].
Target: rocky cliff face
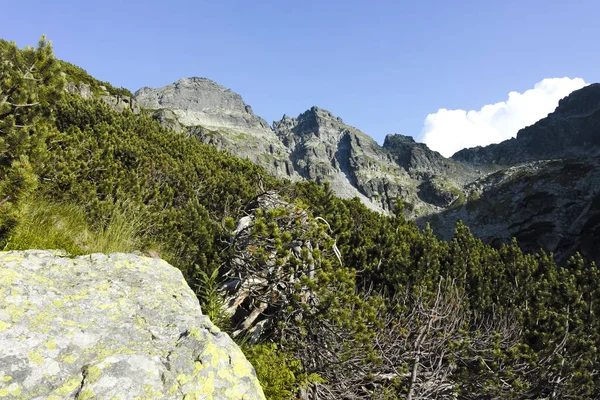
[[220, 117], [118, 103], [546, 186], [323, 148], [117, 326], [571, 131]]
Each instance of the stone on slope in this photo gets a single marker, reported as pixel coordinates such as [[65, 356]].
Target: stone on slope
[[117, 326]]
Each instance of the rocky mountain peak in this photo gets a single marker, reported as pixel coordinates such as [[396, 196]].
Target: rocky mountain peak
[[393, 140], [571, 131], [580, 102], [194, 94], [218, 116]]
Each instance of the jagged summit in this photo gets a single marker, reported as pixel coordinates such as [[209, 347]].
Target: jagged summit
[[571, 131], [580, 102], [219, 116], [394, 138], [197, 97]]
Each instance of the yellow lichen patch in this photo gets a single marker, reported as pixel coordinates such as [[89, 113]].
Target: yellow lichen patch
[[225, 374], [93, 373], [41, 321], [149, 393], [6, 378], [104, 306], [183, 378], [86, 394], [58, 302], [103, 353], [35, 357], [75, 324], [102, 287], [15, 312], [122, 264], [3, 325], [50, 344], [8, 278], [14, 389], [212, 354], [172, 390], [195, 333], [197, 367], [68, 387], [241, 367], [69, 358]]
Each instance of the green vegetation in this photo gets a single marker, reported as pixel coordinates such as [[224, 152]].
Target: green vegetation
[[45, 225], [278, 372], [349, 303], [78, 75]]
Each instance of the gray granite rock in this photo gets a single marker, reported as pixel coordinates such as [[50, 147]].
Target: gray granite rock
[[82, 89], [110, 326]]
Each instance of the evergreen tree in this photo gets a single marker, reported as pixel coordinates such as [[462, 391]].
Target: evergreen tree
[[30, 83]]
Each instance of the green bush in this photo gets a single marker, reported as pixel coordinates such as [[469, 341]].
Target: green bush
[[279, 374]]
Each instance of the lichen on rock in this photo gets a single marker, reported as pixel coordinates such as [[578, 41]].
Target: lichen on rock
[[110, 326]]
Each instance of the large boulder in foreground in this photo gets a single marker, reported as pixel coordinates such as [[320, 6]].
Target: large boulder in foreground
[[117, 326]]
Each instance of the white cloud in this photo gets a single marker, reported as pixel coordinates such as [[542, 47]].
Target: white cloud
[[448, 131]]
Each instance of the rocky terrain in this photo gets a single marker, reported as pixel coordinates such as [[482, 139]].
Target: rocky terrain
[[501, 191], [218, 116], [316, 145], [546, 190], [116, 326]]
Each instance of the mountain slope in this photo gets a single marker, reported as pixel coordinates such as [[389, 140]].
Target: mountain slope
[[547, 185], [218, 116], [316, 145]]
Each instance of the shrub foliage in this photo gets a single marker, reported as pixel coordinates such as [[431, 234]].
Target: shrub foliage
[[359, 304]]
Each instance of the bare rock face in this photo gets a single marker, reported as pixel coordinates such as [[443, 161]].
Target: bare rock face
[[545, 184], [323, 148], [117, 326], [200, 101], [168, 119], [218, 116], [552, 205], [117, 103], [571, 131], [83, 90], [122, 103]]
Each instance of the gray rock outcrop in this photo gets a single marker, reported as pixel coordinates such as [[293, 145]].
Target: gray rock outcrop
[[83, 90], [117, 326], [117, 103]]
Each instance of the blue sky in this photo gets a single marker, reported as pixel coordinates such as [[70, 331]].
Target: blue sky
[[383, 66]]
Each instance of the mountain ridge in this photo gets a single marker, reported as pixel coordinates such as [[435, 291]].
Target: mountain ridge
[[317, 145]]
